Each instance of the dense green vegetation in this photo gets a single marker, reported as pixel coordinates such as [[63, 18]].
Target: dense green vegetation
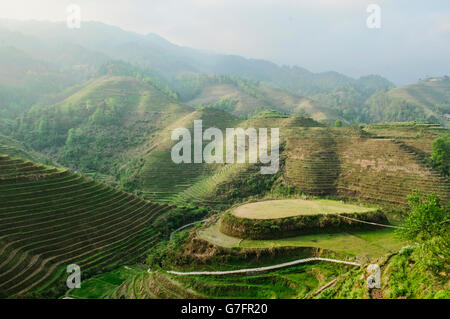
[[95, 128], [428, 225], [407, 279], [178, 217], [419, 270], [427, 100], [294, 226], [440, 154], [402, 272], [270, 114], [295, 282]]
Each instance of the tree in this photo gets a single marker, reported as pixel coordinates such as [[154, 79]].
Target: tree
[[338, 123], [44, 138], [427, 225], [97, 117], [440, 154]]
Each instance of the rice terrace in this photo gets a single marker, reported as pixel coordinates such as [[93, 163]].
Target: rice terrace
[[295, 207], [164, 172]]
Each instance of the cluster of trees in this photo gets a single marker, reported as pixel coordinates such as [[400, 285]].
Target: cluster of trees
[[382, 108], [109, 112], [428, 226], [440, 154], [356, 107], [52, 128], [144, 74], [347, 102], [189, 86], [269, 114], [227, 105]]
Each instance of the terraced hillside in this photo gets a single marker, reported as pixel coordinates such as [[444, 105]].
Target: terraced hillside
[[312, 163], [104, 125], [50, 218], [203, 192], [413, 137], [15, 148], [223, 181], [380, 169], [163, 180], [380, 164], [243, 98]]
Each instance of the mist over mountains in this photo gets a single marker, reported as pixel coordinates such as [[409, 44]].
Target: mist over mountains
[[161, 55], [61, 57]]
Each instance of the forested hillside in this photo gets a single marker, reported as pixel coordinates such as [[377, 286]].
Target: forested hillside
[[242, 86], [100, 127], [427, 100], [245, 98]]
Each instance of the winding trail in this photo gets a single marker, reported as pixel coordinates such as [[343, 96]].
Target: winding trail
[[369, 223], [261, 269], [253, 270], [185, 226]]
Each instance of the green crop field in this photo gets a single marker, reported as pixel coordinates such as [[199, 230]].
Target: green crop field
[[100, 285], [370, 244], [213, 235], [294, 207], [362, 243]]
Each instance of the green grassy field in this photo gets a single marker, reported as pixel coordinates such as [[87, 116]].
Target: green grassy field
[[370, 244], [295, 207], [213, 235], [363, 243]]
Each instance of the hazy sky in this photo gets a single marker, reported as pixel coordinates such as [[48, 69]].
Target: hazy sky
[[320, 35]]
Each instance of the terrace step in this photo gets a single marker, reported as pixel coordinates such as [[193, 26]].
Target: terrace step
[[51, 217]]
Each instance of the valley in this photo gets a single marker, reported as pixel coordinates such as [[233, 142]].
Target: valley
[[107, 161], [144, 238]]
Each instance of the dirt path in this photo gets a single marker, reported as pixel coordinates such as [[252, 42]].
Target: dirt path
[[261, 269], [185, 226]]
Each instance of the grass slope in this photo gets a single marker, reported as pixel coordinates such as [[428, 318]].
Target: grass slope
[[14, 148], [160, 178], [251, 98], [364, 244], [104, 126]]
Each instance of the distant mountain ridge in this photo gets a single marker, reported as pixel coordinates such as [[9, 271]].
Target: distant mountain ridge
[[83, 52], [172, 60], [426, 100]]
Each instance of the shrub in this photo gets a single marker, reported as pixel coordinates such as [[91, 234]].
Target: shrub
[[428, 226], [442, 294], [295, 226], [440, 154]]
